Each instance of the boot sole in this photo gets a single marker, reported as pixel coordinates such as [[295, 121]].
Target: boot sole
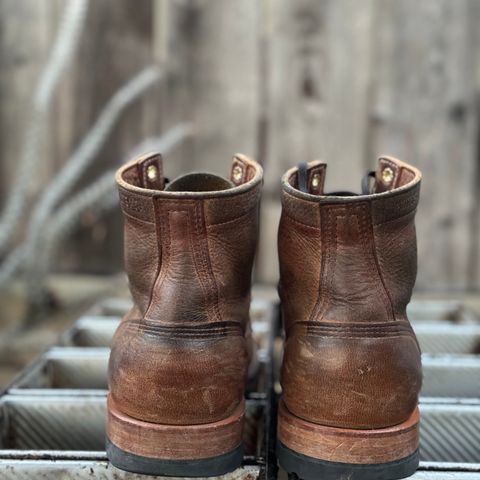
[[203, 450], [312, 451], [309, 468], [205, 467]]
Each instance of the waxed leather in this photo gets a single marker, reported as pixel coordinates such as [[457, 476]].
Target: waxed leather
[[181, 355], [347, 269]]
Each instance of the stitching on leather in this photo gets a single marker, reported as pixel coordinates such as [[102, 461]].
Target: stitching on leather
[[199, 268], [163, 241], [385, 327], [366, 228], [137, 219], [134, 204], [189, 327], [162, 220], [319, 306], [205, 256], [369, 248], [359, 332], [354, 325], [178, 328], [332, 214], [199, 264], [211, 292], [397, 219], [189, 332], [351, 328], [243, 198], [297, 199], [191, 337], [388, 330], [397, 335], [210, 270], [288, 200], [331, 256], [393, 206], [176, 334], [379, 271], [197, 257], [236, 219], [143, 168], [158, 234], [290, 217], [206, 265], [204, 335], [139, 172]]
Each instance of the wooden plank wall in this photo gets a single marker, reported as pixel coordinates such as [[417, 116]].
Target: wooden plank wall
[[283, 81], [116, 44]]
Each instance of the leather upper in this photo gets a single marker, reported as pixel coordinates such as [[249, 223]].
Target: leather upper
[[347, 270], [189, 250]]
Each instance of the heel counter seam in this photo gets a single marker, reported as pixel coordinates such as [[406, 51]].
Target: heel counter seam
[[371, 232], [198, 249], [209, 283], [329, 215]]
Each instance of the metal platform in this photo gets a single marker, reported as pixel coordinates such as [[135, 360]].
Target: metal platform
[[64, 391]]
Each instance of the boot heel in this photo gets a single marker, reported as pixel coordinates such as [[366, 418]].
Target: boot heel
[[312, 451], [174, 450]]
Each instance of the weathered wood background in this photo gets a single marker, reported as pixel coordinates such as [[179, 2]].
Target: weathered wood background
[[282, 81]]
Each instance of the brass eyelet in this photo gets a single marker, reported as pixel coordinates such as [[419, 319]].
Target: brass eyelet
[[387, 175], [152, 173], [237, 173]]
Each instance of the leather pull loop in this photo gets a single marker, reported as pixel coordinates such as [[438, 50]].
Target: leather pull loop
[[242, 171], [387, 175], [309, 177], [150, 172]]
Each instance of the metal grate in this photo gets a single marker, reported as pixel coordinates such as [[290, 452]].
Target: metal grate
[[450, 433], [52, 416]]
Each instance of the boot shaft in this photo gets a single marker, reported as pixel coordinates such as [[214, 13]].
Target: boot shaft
[[348, 258], [189, 246]]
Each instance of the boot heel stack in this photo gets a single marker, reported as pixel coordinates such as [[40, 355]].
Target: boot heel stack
[[175, 450], [313, 451]]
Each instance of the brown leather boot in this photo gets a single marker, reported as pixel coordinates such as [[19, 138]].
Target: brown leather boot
[[179, 358], [351, 371]]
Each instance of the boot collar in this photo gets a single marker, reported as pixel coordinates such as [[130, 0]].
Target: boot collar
[[144, 175], [392, 176]]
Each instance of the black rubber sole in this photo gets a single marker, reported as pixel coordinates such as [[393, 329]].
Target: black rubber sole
[[204, 467], [309, 468]]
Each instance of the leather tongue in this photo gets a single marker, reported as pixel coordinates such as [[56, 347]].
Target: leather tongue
[[199, 182]]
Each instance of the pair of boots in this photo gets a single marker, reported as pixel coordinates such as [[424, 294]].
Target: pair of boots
[[351, 370]]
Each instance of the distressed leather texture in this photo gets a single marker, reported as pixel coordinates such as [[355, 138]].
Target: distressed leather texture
[[347, 270], [181, 355]]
